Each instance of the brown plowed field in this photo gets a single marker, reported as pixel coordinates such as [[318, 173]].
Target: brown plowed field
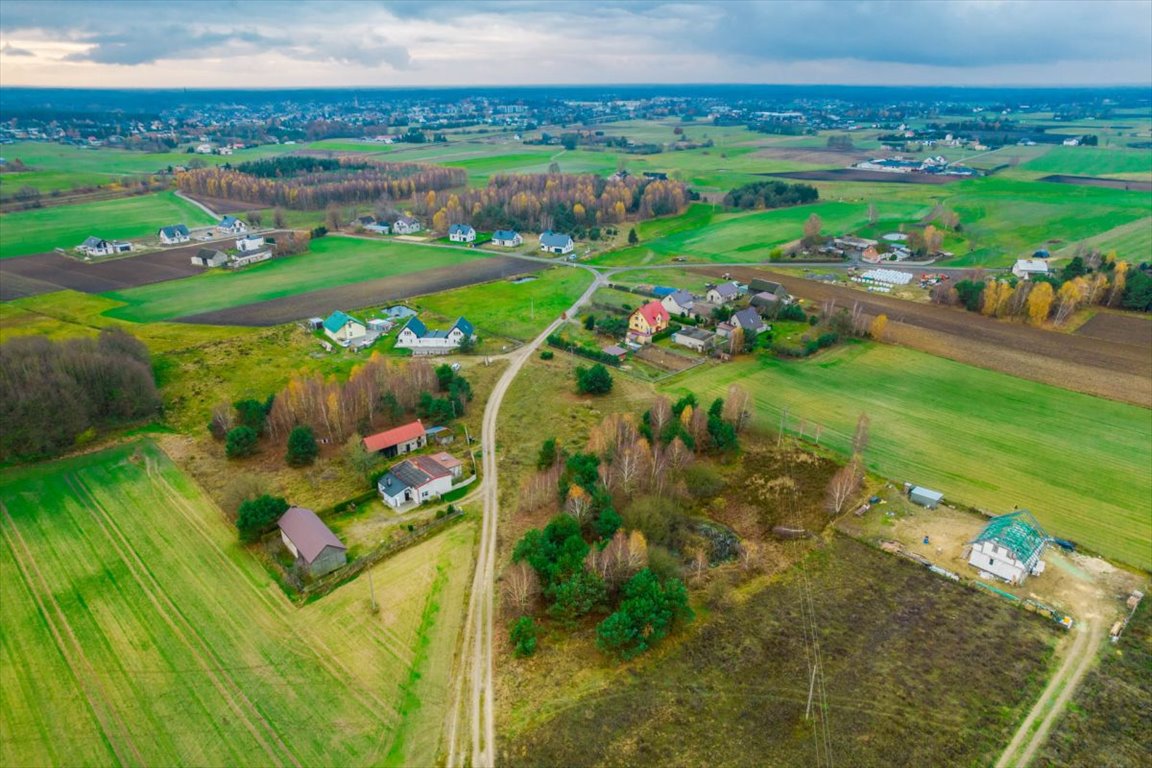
[[1116, 370], [369, 293], [221, 205], [1119, 329], [47, 272], [1100, 181]]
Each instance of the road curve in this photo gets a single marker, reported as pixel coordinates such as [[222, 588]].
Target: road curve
[[474, 698]]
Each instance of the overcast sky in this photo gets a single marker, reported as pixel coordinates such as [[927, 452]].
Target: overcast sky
[[269, 43]]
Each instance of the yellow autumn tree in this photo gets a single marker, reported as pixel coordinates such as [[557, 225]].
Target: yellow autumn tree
[[879, 325], [1040, 302]]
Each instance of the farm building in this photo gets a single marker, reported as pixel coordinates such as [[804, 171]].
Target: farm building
[[406, 225], [1010, 547], [760, 286], [343, 328], [249, 258], [461, 233], [924, 497], [422, 341], [440, 435], [554, 242], [230, 225], [377, 227], [398, 440], [249, 243], [311, 542], [616, 351], [209, 257], [418, 479], [647, 321], [506, 238], [724, 293], [697, 339], [679, 303], [1025, 268], [177, 233]]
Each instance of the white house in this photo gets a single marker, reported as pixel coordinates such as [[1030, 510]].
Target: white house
[[679, 303], [554, 242], [724, 293], [230, 225], [177, 233], [96, 246], [507, 238], [1010, 547], [406, 225], [749, 320], [417, 480], [422, 341], [461, 233], [344, 329], [1025, 268], [249, 243]]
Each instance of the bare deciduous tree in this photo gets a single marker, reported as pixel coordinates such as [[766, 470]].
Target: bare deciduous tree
[[521, 587], [843, 485]]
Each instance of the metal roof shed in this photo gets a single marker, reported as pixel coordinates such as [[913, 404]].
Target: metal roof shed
[[925, 497]]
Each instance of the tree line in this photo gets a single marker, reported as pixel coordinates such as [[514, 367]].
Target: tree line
[[354, 181], [771, 194], [57, 395]]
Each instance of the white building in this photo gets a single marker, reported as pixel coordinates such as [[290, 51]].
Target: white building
[[249, 243], [554, 242], [344, 329], [507, 238], [1009, 547], [230, 225], [177, 233], [461, 233], [724, 293], [679, 303], [422, 341], [406, 225], [96, 246], [417, 480], [1025, 268]]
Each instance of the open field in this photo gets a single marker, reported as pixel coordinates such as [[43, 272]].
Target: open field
[[514, 310], [1119, 328], [1092, 161], [1121, 371], [1097, 181], [131, 614], [1081, 464], [878, 177], [905, 656], [332, 262], [66, 226]]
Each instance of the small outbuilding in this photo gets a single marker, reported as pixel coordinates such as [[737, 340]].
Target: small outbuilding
[[398, 440], [311, 542], [925, 497], [210, 257]]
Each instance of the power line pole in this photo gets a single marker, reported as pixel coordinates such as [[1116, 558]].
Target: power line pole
[[783, 423], [471, 453], [371, 591]]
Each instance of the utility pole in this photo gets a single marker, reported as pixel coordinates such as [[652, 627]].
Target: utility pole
[[372, 591], [468, 438], [783, 422]]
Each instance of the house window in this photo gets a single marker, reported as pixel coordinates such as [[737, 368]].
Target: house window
[[991, 561]]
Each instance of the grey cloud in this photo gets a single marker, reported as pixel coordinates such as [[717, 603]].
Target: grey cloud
[[11, 50], [139, 46]]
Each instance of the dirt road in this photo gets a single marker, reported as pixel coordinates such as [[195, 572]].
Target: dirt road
[[1029, 737], [474, 698]]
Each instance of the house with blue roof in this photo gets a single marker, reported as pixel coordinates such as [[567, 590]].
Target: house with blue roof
[[230, 225], [344, 329], [177, 233], [422, 340], [554, 242], [461, 233], [507, 238]]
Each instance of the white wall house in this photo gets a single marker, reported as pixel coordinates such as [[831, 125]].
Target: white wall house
[[724, 293], [461, 233], [230, 225], [507, 238], [343, 328], [249, 243], [1009, 547], [406, 225], [554, 242], [415, 481], [1025, 268], [177, 233], [423, 341]]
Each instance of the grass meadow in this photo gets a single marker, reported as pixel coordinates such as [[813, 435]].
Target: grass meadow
[[1094, 161], [136, 630], [332, 262], [1082, 465], [42, 229], [513, 310]]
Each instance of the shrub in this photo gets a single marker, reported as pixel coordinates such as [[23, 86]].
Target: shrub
[[593, 381], [523, 636], [650, 609], [547, 354], [258, 515], [240, 442]]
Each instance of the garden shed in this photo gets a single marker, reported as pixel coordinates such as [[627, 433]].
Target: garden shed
[[925, 497]]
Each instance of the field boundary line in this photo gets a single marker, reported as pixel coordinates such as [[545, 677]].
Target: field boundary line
[[157, 595], [318, 649], [97, 711]]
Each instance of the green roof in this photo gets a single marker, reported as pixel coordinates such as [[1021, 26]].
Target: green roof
[[336, 321], [1018, 532]]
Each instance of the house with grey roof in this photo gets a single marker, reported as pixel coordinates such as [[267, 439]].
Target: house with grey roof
[[679, 303], [177, 233], [748, 319], [209, 257], [461, 233], [315, 547], [406, 225], [724, 293], [422, 340], [418, 479], [554, 242], [697, 339]]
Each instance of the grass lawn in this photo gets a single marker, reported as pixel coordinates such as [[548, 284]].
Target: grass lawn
[[332, 262], [1081, 464], [42, 229], [906, 678], [136, 630], [514, 310]]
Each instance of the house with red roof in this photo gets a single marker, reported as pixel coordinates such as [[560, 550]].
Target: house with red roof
[[398, 440], [647, 321]]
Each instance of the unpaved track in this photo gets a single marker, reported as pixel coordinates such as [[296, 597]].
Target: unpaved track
[[1055, 698], [474, 699]]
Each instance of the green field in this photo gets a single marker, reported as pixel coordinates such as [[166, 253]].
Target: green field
[[1083, 465], [332, 262], [66, 226], [513, 310], [1131, 242], [1093, 161], [135, 630]]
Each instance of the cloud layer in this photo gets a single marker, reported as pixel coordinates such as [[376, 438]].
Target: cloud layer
[[442, 42]]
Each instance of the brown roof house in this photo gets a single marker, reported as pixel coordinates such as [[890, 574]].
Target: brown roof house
[[313, 544]]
